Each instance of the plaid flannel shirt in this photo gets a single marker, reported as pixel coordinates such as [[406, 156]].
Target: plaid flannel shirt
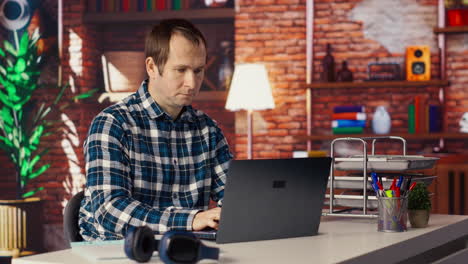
[[143, 168]]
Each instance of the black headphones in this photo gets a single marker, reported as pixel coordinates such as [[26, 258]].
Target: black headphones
[[174, 246]]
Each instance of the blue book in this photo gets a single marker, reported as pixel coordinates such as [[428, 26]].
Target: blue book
[[141, 5], [349, 108], [99, 6], [435, 118], [348, 123]]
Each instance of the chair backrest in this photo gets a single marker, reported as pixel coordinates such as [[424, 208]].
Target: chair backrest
[[71, 228]]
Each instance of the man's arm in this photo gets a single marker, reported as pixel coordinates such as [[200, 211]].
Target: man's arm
[[110, 185], [221, 156]]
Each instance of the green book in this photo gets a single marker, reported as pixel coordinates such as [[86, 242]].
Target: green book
[[176, 4], [411, 126], [347, 130], [149, 5]]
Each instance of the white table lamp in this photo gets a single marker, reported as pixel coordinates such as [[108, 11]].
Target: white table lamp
[[250, 90]]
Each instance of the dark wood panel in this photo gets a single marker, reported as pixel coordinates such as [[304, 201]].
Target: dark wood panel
[[451, 30], [378, 84], [426, 136]]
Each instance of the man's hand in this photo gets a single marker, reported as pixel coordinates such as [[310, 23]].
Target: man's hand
[[209, 218]]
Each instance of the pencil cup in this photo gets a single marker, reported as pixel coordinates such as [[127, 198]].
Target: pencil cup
[[392, 214]]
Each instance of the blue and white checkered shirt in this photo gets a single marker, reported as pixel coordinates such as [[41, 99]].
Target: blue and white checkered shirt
[[143, 168]]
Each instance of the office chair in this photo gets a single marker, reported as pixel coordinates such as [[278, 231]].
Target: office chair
[[71, 229]]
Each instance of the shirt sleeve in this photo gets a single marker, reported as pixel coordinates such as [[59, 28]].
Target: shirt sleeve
[[221, 156], [109, 183]]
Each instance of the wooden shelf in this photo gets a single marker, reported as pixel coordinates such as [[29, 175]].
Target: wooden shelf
[[202, 96], [190, 14], [377, 84], [423, 136], [451, 30]]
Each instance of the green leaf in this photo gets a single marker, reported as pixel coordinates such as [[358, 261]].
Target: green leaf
[[9, 47], [85, 95], [38, 113], [34, 38], [36, 135], [25, 76], [24, 169], [6, 116], [60, 94], [6, 141], [34, 161], [38, 172], [2, 70], [23, 44], [2, 53], [31, 193], [20, 65], [4, 146]]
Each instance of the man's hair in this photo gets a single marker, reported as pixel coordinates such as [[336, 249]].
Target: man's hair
[[157, 40]]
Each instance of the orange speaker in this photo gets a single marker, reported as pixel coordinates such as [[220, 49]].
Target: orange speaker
[[418, 63]]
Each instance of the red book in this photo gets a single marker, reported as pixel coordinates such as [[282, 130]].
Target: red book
[[349, 116], [161, 4], [125, 5]]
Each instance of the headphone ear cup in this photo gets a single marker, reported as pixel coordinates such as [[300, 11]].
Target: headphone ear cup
[[139, 244]]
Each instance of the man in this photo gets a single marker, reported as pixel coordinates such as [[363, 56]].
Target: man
[[152, 159]]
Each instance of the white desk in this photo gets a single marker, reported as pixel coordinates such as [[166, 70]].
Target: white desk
[[346, 240]]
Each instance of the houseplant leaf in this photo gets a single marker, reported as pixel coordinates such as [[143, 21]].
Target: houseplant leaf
[[24, 44], [10, 48], [31, 193], [38, 172]]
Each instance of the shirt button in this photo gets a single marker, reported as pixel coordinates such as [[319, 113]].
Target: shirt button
[[175, 196], [175, 161]]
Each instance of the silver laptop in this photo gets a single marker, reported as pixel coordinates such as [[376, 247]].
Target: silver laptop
[[271, 199]]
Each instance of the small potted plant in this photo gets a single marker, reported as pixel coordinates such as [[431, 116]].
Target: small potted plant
[[419, 206]]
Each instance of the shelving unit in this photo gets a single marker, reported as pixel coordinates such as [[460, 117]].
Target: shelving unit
[[198, 15], [377, 84], [441, 30], [190, 14], [451, 30], [424, 136]]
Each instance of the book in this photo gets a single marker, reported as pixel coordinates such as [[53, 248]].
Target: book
[[349, 115], [435, 118], [176, 4], [347, 130], [149, 5], [349, 108], [411, 121], [141, 5], [348, 123], [160, 4]]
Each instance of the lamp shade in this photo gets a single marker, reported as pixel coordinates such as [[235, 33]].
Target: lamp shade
[[250, 88]]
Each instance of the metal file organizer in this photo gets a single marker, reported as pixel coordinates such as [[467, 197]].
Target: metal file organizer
[[388, 166]]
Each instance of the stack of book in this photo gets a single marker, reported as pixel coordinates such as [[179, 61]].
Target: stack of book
[[348, 119], [137, 5], [424, 117]]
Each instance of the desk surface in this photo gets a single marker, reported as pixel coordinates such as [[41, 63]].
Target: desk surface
[[340, 239]]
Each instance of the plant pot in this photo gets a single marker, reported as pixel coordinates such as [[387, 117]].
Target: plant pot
[[418, 218], [21, 227]]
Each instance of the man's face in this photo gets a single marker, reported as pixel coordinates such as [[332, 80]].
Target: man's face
[[182, 75]]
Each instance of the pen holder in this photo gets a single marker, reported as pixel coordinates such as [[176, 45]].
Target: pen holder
[[392, 214]]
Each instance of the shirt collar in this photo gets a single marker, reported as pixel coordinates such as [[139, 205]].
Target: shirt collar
[[153, 109]]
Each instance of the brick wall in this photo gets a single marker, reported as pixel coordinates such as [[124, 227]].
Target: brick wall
[[274, 32]]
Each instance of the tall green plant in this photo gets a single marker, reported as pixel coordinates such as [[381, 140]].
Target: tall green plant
[[20, 133]]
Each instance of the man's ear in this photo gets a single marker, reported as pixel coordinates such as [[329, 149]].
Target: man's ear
[[151, 68]]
